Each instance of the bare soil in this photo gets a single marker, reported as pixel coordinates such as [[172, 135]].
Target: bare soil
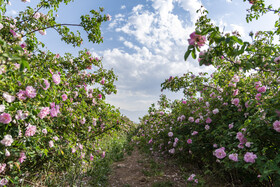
[[140, 170]]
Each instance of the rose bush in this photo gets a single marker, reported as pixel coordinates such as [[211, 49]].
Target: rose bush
[[52, 108], [228, 122]]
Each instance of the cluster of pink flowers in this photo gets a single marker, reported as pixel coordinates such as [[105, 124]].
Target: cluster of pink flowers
[[196, 40]]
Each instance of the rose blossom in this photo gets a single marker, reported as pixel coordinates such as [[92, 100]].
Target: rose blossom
[[189, 141], [64, 97], [191, 177], [220, 153], [230, 126], [191, 119], [9, 98], [196, 39], [30, 92], [215, 111], [250, 157], [51, 144], [44, 112], [170, 134], [43, 32], [7, 153], [235, 93], [194, 133], [44, 131], [208, 120], [30, 130], [233, 156], [37, 15], [56, 78], [276, 125], [2, 167], [47, 84], [235, 78], [258, 96], [262, 89], [3, 182], [2, 108], [21, 95], [235, 101], [22, 157], [172, 151], [5, 118]]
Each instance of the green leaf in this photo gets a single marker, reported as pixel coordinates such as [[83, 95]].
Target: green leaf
[[238, 40], [193, 54], [187, 54], [24, 64]]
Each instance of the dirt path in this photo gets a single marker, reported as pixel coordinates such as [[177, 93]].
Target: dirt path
[[140, 170]]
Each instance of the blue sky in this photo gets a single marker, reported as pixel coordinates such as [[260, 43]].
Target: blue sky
[[146, 39]]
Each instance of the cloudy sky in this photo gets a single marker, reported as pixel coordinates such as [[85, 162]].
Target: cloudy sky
[[146, 40]]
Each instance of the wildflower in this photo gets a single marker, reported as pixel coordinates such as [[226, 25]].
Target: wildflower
[[189, 141]]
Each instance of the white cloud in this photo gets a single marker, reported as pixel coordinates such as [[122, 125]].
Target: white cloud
[[123, 7], [154, 41], [229, 1]]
